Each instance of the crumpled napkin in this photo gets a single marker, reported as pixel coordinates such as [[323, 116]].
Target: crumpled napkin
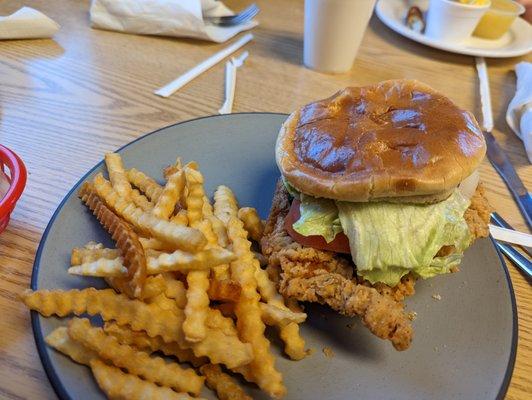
[[181, 18], [27, 23], [519, 114]]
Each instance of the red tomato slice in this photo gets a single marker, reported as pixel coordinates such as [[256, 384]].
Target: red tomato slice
[[340, 244]]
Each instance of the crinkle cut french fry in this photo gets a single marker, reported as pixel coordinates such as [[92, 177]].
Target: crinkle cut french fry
[[273, 315], [117, 174], [62, 342], [221, 272], [118, 385], [224, 290], [249, 319], [170, 195], [107, 303], [268, 290], [141, 201], [102, 267], [195, 197], [126, 240], [198, 281], [82, 255], [219, 230], [252, 222], [248, 313], [197, 306], [185, 262], [154, 286], [174, 235], [153, 253], [207, 208], [164, 303], [153, 369], [154, 244], [294, 344], [93, 245], [227, 309], [214, 231], [143, 342], [180, 218], [146, 184], [225, 205], [215, 320], [221, 344], [172, 169], [175, 290], [224, 385]]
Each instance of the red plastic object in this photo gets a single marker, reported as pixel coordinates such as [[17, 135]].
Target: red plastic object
[[17, 181]]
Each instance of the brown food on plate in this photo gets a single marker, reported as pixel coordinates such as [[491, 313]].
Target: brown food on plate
[[397, 140], [179, 258], [118, 385], [126, 240], [414, 19], [319, 276], [224, 385], [379, 188]]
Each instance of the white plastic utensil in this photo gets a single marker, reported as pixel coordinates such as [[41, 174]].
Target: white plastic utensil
[[193, 73], [230, 81], [485, 96], [511, 236]]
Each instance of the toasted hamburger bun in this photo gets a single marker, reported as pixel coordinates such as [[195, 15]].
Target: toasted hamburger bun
[[397, 140]]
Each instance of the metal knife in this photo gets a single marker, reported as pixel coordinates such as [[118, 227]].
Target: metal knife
[[496, 155]]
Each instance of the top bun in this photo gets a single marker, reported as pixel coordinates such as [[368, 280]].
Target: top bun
[[397, 140]]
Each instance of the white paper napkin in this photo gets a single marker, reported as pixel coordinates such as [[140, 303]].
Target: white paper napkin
[[183, 18], [27, 23], [519, 114]]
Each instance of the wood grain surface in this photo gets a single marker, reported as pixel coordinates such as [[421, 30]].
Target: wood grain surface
[[67, 101]]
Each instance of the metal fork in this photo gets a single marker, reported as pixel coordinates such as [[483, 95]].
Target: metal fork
[[237, 19]]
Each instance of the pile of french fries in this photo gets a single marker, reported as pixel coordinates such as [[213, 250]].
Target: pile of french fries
[[184, 287]]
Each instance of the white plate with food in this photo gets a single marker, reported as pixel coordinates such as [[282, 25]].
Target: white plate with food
[[456, 338], [516, 42]]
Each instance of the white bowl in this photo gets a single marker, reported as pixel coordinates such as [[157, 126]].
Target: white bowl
[[453, 22]]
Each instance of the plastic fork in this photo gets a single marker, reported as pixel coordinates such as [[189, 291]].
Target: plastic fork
[[517, 258], [231, 20]]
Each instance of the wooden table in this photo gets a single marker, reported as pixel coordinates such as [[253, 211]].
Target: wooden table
[[67, 101]]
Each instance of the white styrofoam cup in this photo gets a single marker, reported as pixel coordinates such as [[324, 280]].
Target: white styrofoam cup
[[333, 32]]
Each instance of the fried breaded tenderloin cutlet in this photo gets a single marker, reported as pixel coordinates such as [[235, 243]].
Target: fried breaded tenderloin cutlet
[[308, 274]]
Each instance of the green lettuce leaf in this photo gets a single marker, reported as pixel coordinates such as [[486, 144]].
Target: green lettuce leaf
[[388, 240], [318, 217], [290, 189]]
